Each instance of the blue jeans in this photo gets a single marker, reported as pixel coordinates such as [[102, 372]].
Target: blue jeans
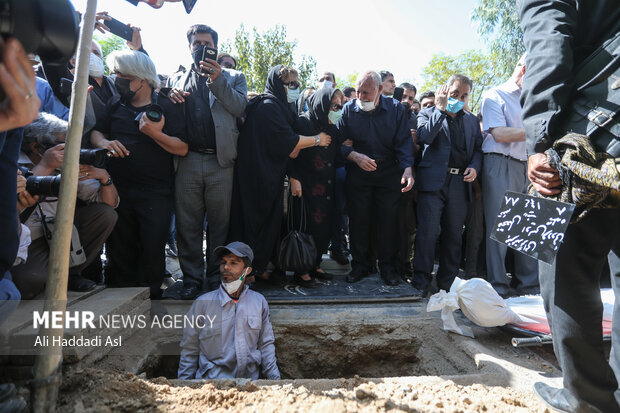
[[9, 297]]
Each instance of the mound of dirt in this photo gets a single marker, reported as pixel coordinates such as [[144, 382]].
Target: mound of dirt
[[92, 390]]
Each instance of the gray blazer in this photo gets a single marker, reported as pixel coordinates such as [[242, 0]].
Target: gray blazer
[[227, 100]]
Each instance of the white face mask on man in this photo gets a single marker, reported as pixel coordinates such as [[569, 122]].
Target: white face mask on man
[[95, 66], [366, 106], [233, 286]]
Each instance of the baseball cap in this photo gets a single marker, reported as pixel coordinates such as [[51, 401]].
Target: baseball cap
[[238, 248]]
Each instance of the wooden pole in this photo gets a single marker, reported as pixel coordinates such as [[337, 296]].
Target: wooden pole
[[45, 384]]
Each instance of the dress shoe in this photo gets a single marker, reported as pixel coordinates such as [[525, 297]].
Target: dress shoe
[[189, 292], [373, 269], [557, 399], [389, 278], [339, 256], [356, 275], [303, 283], [321, 275], [80, 284]]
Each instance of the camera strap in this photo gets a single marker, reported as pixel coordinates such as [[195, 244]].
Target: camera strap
[[25, 214]]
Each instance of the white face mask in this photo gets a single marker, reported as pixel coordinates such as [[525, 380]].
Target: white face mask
[[326, 84], [233, 286], [366, 106], [95, 67]]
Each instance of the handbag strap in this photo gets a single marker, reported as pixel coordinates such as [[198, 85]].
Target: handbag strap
[[290, 217]]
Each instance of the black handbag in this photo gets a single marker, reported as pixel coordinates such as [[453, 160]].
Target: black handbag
[[297, 249]]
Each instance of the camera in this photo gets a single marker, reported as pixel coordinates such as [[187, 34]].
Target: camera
[[48, 28], [43, 185], [153, 112], [94, 157]]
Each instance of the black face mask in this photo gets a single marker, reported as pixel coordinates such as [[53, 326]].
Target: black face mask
[[122, 86], [197, 55]]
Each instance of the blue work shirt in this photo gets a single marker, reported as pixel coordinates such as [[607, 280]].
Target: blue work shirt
[[240, 341], [49, 102], [382, 134]]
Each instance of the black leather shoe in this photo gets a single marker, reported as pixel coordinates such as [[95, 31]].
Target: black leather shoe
[[303, 283], [80, 284], [189, 292], [321, 275], [389, 278], [554, 398], [373, 269], [339, 256], [356, 275]]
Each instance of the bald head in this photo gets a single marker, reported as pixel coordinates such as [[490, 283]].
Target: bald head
[[371, 77]]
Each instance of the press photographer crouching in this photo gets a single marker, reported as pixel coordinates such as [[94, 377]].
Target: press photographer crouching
[[42, 154], [143, 130]]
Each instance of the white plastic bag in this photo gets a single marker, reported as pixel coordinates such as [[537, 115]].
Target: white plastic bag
[[478, 301]]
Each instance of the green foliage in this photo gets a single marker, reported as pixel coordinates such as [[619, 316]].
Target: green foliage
[[109, 43], [474, 64], [257, 52], [346, 81], [498, 26]]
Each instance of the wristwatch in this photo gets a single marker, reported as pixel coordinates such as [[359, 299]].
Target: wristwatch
[[317, 140], [108, 182]]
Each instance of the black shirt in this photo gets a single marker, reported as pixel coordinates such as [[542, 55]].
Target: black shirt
[[458, 148], [103, 92], [200, 127], [148, 167]]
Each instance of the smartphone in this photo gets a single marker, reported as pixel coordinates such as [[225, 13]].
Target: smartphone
[[66, 86], [119, 29], [398, 93], [208, 53]]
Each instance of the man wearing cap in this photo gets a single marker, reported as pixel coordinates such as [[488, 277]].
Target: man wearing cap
[[237, 338]]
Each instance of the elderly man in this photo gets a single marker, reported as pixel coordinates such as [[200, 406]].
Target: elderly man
[[42, 153], [239, 342], [505, 169], [451, 140], [214, 98], [381, 161]]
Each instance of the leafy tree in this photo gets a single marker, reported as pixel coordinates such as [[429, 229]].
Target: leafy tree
[[257, 52], [346, 81], [498, 26], [474, 64], [109, 43]]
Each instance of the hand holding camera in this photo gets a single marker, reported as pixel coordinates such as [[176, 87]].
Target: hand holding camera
[[91, 172], [51, 160], [149, 126]]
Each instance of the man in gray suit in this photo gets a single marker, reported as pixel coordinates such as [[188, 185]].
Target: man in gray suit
[[214, 97]]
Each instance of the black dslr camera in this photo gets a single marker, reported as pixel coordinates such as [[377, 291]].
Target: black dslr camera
[[41, 185], [153, 112], [94, 157], [48, 28]]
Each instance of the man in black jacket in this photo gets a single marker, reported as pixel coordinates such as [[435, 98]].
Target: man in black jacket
[[559, 35]]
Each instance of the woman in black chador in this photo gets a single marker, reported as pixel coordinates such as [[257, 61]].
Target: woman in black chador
[[266, 142], [313, 173]]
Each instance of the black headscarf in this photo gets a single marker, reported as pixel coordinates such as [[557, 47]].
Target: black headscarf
[[319, 106], [274, 90]]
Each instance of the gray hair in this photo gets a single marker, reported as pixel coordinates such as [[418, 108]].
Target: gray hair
[[44, 130], [369, 75], [133, 63], [461, 79]]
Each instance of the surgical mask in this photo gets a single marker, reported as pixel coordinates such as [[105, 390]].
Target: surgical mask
[[292, 95], [334, 116], [233, 286], [326, 83], [122, 86], [365, 106], [454, 105], [95, 66]]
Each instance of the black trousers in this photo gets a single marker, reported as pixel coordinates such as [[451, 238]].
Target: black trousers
[[136, 256], [441, 215], [571, 292], [373, 194]]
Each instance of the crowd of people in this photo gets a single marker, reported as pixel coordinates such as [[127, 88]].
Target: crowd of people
[[395, 178], [375, 174]]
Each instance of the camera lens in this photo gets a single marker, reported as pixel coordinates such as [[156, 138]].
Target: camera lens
[[94, 157], [43, 185], [155, 113]]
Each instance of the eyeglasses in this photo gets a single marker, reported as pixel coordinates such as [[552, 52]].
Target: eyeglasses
[[336, 106], [293, 84]]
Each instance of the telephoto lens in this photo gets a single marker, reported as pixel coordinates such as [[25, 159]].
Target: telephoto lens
[[94, 157], [43, 185]]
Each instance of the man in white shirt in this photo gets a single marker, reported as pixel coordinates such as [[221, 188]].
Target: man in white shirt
[[505, 169]]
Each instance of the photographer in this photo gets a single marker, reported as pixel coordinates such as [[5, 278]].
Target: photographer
[[42, 153], [142, 146]]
